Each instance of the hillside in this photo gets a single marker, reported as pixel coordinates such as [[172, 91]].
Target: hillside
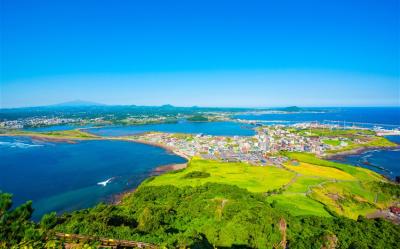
[[310, 187], [308, 203]]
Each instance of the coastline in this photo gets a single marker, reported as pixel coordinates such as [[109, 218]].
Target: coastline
[[47, 138], [166, 147], [117, 198], [357, 151], [114, 199], [169, 167]]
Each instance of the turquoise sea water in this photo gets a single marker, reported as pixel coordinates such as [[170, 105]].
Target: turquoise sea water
[[208, 128], [62, 176]]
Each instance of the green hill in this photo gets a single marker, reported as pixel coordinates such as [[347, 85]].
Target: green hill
[[311, 204]]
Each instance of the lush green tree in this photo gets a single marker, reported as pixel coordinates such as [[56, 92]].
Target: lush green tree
[[16, 228]]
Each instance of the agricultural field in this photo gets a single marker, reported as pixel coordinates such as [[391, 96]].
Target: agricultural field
[[312, 186], [253, 178]]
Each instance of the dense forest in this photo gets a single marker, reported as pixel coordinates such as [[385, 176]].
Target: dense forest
[[207, 216]]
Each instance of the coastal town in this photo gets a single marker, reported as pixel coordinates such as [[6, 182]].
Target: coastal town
[[266, 147], [98, 119]]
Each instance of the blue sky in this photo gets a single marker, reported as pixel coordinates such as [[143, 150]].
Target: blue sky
[[207, 53]]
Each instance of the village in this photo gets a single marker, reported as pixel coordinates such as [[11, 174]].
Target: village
[[261, 149]]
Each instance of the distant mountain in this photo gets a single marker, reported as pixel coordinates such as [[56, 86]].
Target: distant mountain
[[77, 103]]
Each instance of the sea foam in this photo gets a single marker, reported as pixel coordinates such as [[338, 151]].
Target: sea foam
[[19, 145]]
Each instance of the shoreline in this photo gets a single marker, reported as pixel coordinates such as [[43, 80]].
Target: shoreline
[[357, 151], [168, 168], [166, 147], [116, 199], [47, 138]]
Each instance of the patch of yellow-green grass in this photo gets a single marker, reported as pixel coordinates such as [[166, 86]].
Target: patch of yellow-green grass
[[308, 169], [344, 189], [252, 178], [303, 184], [372, 142], [335, 132], [332, 142], [350, 199], [357, 172], [298, 204], [68, 134], [380, 142]]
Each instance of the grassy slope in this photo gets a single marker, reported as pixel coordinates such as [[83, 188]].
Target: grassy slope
[[68, 134], [343, 189], [254, 179], [373, 142], [315, 187], [368, 138]]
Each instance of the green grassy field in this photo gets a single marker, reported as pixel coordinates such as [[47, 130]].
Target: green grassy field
[[335, 132], [355, 138], [332, 142], [252, 178], [298, 204], [314, 187], [68, 134]]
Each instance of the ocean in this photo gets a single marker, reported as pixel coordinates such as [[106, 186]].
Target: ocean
[[386, 117], [63, 176]]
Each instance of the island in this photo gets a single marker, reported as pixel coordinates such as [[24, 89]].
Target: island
[[276, 189]]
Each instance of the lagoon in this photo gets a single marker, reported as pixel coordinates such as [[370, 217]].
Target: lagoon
[[207, 128]]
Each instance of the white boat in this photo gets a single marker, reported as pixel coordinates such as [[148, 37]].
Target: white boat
[[104, 183]]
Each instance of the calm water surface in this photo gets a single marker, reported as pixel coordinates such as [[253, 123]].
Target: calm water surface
[[208, 128], [387, 117], [385, 162], [62, 177]]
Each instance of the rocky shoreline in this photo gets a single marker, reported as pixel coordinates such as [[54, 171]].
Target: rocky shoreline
[[340, 155], [116, 199]]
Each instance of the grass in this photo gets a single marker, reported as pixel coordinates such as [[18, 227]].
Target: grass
[[303, 183], [314, 187], [308, 169], [332, 142], [252, 178], [366, 143], [297, 204], [68, 134], [358, 172], [346, 198], [336, 132], [356, 138]]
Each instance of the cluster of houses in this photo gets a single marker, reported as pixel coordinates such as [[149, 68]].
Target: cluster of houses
[[261, 149], [279, 138], [36, 122]]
